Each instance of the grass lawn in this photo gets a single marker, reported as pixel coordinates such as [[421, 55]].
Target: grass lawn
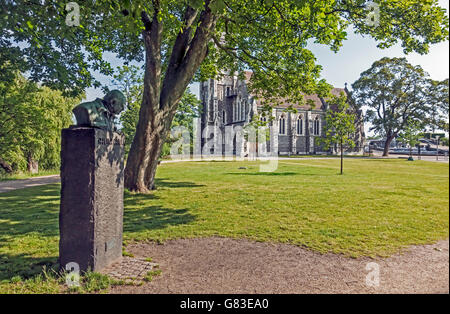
[[26, 175], [375, 209]]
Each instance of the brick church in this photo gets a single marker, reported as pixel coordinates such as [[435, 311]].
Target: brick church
[[227, 103]]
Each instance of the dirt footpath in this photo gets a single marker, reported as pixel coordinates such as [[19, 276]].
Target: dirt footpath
[[6, 186], [222, 265]]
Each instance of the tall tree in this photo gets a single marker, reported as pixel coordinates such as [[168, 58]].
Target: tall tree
[[129, 80], [188, 109], [194, 39], [339, 126], [395, 93], [31, 119], [438, 101], [410, 135]]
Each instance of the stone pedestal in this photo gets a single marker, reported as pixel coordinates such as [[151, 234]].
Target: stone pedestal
[[91, 212]]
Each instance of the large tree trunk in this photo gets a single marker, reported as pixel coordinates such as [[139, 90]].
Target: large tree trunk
[[160, 99], [32, 165], [5, 166], [145, 150], [387, 145]]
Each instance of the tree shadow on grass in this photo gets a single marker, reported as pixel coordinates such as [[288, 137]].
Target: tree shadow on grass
[[140, 214], [162, 182], [27, 215], [34, 212], [25, 266], [264, 173], [31, 210]]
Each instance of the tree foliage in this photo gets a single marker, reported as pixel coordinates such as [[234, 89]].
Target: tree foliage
[[129, 80], [339, 125], [31, 119], [397, 94], [438, 101], [411, 134], [268, 36]]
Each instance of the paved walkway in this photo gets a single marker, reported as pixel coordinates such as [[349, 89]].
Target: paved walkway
[[223, 265], [9, 185]]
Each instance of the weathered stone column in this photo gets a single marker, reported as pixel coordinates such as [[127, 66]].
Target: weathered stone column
[[197, 130], [274, 128], [91, 212]]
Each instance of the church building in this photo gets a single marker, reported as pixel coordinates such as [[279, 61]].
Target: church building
[[227, 103]]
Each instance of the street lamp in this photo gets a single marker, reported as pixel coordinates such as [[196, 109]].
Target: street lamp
[[437, 137]]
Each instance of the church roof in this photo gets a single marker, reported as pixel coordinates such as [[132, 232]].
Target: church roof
[[318, 103]]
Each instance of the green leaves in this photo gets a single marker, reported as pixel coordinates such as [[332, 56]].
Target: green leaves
[[217, 6], [339, 123], [411, 133], [398, 93], [31, 119], [269, 37]]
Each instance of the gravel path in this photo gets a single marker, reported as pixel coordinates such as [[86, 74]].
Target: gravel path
[[222, 265], [6, 186]]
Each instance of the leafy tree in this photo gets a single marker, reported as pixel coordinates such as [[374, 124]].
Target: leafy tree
[[339, 126], [195, 39], [188, 109], [130, 82], [438, 100], [411, 135], [396, 93], [31, 119]]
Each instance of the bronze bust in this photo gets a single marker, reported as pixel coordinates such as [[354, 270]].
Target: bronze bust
[[100, 113]]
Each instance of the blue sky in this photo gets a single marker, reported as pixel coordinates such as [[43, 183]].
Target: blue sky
[[357, 55]]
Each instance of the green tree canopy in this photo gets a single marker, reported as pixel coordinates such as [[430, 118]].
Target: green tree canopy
[[438, 100], [31, 119], [339, 125], [411, 134], [397, 94]]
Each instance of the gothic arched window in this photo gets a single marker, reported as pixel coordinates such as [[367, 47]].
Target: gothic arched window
[[282, 125], [300, 125], [316, 126]]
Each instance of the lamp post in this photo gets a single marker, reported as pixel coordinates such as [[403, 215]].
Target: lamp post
[[437, 137]]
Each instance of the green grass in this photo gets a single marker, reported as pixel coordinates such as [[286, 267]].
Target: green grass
[[26, 175], [51, 281], [376, 208], [324, 156], [149, 276]]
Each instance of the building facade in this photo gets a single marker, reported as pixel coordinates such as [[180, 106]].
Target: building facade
[[227, 103]]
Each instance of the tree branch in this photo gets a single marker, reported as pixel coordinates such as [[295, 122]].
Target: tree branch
[[176, 82]]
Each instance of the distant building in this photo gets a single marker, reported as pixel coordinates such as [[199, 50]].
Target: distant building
[[228, 103]]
